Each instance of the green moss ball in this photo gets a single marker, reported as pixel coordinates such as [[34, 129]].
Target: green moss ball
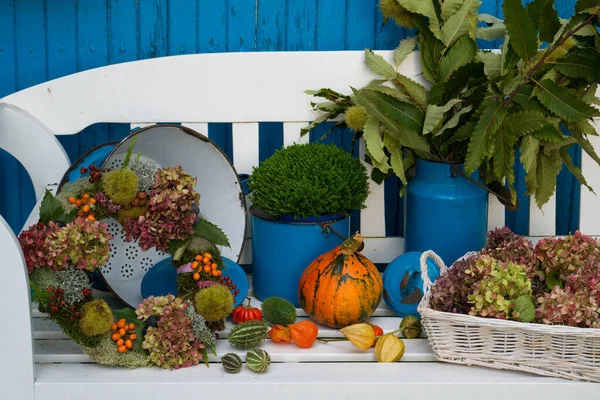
[[121, 186], [214, 303], [96, 318], [278, 311], [308, 180]]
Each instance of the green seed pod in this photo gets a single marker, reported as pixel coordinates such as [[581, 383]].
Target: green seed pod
[[411, 327], [232, 363], [258, 360], [248, 334]]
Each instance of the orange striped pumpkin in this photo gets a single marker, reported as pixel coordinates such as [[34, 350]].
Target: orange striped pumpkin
[[341, 287]]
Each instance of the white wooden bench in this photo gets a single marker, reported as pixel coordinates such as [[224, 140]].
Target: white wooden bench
[[38, 361]]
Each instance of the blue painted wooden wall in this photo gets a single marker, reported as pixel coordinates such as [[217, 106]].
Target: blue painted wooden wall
[[47, 39]]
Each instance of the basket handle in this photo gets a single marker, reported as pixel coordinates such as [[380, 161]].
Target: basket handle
[[425, 273]]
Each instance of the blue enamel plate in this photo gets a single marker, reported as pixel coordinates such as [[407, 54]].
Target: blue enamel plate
[[161, 280], [403, 285]]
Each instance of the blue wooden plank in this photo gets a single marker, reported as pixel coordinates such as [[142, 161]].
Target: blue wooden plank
[[220, 133], [270, 139], [122, 31], [360, 25], [488, 7], [271, 25], [92, 41], [241, 26], [153, 29], [183, 25], [387, 36], [9, 176], [568, 196], [301, 21], [122, 46], [31, 61], [212, 38], [518, 221], [331, 25], [61, 20], [212, 21]]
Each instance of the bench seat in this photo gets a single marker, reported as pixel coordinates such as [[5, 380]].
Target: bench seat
[[335, 369]]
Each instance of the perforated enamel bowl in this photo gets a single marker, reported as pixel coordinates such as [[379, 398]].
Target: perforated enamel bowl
[[221, 200]]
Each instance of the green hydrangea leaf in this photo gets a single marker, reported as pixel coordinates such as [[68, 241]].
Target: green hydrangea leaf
[[562, 102], [405, 47], [177, 247], [461, 53], [211, 232], [51, 209], [522, 33], [490, 120], [524, 308], [553, 280]]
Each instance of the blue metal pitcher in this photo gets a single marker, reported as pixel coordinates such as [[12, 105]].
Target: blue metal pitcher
[[444, 212]]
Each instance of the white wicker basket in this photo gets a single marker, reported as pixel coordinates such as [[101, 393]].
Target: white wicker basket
[[558, 351]]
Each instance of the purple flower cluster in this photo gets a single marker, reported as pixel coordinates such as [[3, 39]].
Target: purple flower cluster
[[170, 214], [450, 293], [35, 248], [506, 246], [106, 203]]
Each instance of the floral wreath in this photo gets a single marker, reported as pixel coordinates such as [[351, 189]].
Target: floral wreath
[[158, 208]]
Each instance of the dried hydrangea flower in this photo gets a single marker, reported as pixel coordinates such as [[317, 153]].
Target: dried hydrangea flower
[[450, 291], [34, 244], [82, 243], [502, 283], [566, 254]]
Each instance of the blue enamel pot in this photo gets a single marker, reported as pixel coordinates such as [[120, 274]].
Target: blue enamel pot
[[283, 248], [444, 212]]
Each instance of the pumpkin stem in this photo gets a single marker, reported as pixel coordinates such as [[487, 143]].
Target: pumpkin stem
[[249, 301], [352, 244]]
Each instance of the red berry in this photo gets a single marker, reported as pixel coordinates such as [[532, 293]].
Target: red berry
[[83, 170]]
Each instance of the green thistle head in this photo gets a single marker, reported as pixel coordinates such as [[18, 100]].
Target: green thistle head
[[214, 303], [356, 118], [96, 317], [120, 185]]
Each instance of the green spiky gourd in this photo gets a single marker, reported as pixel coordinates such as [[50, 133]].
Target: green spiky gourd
[[232, 363], [278, 311], [258, 360], [248, 334]]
